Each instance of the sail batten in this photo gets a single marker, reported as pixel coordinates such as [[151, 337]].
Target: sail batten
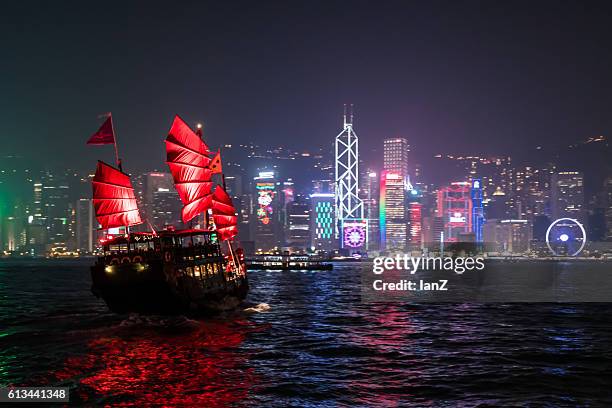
[[113, 198]]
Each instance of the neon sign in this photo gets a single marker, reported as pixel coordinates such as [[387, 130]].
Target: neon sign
[[354, 233], [265, 197]]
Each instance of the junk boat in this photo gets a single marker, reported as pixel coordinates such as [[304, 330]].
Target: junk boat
[[189, 271], [288, 262]]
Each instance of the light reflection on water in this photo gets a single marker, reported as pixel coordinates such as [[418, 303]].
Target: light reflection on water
[[316, 344]]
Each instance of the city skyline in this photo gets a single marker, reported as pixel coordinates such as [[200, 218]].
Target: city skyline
[[514, 200]]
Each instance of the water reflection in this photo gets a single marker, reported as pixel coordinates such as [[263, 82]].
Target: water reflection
[[198, 365]]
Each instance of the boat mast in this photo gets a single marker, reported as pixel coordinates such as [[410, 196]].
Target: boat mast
[[117, 159], [199, 132]]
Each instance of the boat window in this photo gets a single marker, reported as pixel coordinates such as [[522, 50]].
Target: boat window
[[199, 239], [118, 248], [142, 246]]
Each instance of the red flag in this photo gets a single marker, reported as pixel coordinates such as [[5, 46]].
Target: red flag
[[104, 135], [215, 164]]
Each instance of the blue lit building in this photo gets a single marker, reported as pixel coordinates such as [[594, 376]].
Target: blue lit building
[[477, 211], [322, 222]]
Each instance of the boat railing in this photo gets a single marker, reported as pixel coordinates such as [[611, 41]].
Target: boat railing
[[191, 253]]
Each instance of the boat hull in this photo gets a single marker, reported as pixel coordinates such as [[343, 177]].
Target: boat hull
[[160, 287]]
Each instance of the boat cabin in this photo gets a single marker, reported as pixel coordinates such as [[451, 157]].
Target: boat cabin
[[171, 245]]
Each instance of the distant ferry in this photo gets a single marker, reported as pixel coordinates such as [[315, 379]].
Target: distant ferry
[[288, 262], [187, 271]]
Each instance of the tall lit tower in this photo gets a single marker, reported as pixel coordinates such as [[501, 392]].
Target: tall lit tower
[[348, 204], [395, 155], [477, 209]]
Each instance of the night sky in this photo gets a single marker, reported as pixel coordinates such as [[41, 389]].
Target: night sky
[[459, 77]]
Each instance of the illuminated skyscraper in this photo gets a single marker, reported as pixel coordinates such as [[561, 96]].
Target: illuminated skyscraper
[[394, 214], [477, 209], [348, 204], [267, 206], [166, 209], [567, 195], [395, 155], [415, 209], [322, 221], [455, 208], [392, 207], [151, 183]]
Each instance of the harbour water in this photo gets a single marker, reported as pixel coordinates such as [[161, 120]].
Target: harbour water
[[303, 339]]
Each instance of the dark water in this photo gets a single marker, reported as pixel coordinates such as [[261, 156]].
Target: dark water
[[316, 345]]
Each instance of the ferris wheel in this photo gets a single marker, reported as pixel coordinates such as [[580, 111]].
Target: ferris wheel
[[566, 237]]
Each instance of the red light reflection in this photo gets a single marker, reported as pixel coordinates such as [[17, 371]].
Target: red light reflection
[[202, 367]]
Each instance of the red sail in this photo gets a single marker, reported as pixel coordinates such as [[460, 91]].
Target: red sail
[[224, 214], [113, 198], [187, 157]]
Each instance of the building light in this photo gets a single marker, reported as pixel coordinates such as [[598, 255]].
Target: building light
[[265, 175]]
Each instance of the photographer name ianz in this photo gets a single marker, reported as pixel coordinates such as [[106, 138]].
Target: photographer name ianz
[[411, 285]]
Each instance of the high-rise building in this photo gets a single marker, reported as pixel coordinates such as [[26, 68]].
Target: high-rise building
[[267, 217], [286, 196], [151, 183], [348, 204], [161, 204], [56, 211], [567, 195], [416, 216], [370, 195], [298, 224], [392, 211], [395, 155], [477, 210], [455, 207], [85, 226], [166, 209], [233, 185], [322, 221]]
